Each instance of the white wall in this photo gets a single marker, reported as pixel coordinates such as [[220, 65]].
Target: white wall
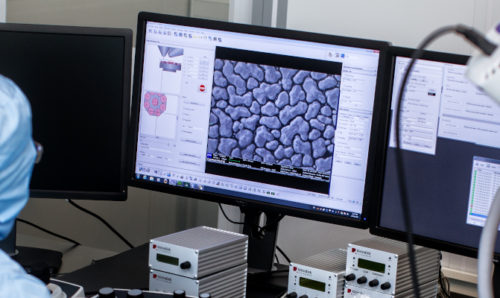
[[3, 10], [240, 11], [209, 9], [402, 22]]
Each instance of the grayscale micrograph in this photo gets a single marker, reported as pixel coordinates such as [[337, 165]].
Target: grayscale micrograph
[[273, 114]]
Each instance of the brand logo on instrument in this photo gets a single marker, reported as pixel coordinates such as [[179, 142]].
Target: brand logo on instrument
[[304, 271], [165, 248], [365, 253], [165, 279]]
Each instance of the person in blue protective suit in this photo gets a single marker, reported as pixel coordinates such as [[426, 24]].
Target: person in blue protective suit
[[17, 156]]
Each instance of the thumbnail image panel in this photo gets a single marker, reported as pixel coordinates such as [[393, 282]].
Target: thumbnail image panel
[[163, 68], [159, 115]]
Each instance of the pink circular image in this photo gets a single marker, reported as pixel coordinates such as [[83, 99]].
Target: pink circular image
[[155, 103]]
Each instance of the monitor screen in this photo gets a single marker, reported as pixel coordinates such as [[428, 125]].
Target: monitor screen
[[248, 115], [451, 154], [78, 83]]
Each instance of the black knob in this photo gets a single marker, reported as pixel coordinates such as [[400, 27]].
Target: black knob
[[135, 293], [291, 295], [373, 283], [350, 277], [385, 285], [205, 295], [106, 292], [362, 280], [185, 265], [179, 294]]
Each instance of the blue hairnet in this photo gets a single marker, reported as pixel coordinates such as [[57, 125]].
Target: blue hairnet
[[17, 153]]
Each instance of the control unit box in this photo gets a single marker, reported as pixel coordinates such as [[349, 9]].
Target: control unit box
[[228, 283], [381, 265], [320, 275], [428, 290], [198, 252]]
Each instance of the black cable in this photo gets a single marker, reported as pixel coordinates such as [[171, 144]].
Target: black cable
[[444, 289], [477, 39], [487, 48], [283, 254], [261, 230], [278, 219], [76, 243], [227, 218], [444, 285], [102, 220], [277, 260], [269, 273], [399, 153], [447, 286]]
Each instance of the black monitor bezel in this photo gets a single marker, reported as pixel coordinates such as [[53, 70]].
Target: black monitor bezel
[[375, 227], [380, 108], [126, 34]]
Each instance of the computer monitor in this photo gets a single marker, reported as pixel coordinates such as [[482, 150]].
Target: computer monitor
[[451, 154], [271, 120], [77, 80]]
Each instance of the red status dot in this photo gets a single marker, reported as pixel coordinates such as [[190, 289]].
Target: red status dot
[[202, 88], [294, 268]]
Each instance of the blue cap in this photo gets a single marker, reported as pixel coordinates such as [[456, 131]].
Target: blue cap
[[17, 153]]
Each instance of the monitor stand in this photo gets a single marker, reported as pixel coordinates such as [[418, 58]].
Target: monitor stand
[[265, 279], [31, 258]]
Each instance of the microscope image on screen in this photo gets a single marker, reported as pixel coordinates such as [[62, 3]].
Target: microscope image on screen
[[275, 119]]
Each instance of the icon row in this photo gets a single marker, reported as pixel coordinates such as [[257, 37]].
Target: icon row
[[185, 35], [332, 211], [201, 183]]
